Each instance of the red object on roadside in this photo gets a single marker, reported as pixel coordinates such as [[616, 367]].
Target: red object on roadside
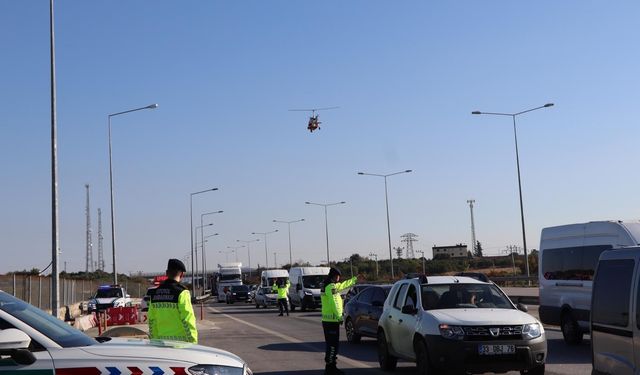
[[157, 280], [122, 315]]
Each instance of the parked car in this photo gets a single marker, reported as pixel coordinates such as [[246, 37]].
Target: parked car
[[615, 319], [353, 291], [458, 325], [266, 297], [237, 293], [363, 311], [109, 296], [37, 342]]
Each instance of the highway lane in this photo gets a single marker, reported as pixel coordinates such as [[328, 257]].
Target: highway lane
[[295, 344]]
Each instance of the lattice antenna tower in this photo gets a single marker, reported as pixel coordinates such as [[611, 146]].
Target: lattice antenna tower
[[409, 238], [100, 238], [89, 255]]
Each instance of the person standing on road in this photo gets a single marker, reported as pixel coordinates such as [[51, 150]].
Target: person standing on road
[[332, 317], [282, 289], [171, 315]]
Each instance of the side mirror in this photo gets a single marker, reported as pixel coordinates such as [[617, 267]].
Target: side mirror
[[409, 309], [12, 338], [298, 287], [522, 307], [377, 304]]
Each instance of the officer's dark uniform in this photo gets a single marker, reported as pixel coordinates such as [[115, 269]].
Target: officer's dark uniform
[[171, 315]]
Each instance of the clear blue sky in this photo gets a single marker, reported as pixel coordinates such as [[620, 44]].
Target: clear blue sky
[[406, 75]]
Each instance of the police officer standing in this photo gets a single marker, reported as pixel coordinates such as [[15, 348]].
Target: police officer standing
[[171, 315], [283, 291], [332, 317]]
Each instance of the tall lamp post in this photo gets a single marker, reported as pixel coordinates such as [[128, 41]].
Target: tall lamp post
[[326, 223], [193, 270], [235, 249], [204, 257], [289, 225], [386, 199], [266, 252], [375, 256], [201, 228], [113, 226], [204, 264], [248, 243], [226, 253], [55, 277], [515, 137], [423, 270]]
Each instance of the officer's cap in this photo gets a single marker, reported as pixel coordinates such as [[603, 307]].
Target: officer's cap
[[176, 265], [334, 271]]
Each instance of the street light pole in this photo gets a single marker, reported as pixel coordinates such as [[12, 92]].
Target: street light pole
[[193, 270], [515, 136], [248, 243], [473, 227], [55, 276], [326, 223], [423, 271], [201, 227], [386, 199], [204, 257], [375, 256], [204, 270], [113, 226], [266, 252], [289, 225], [235, 249]]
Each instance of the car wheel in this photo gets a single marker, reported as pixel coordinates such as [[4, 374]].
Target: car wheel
[[257, 306], [538, 370], [352, 336], [386, 360], [570, 329], [422, 358], [293, 308]]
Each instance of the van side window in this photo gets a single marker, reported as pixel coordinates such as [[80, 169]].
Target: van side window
[[611, 292], [571, 263]]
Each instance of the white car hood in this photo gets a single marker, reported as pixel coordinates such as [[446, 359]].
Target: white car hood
[[164, 350], [482, 316]]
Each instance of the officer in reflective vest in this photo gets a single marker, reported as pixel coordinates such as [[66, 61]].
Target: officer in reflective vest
[[171, 315], [332, 317], [283, 290]]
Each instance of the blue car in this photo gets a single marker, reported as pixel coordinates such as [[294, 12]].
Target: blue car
[[362, 312]]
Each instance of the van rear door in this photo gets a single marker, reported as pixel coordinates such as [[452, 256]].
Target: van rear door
[[611, 322]]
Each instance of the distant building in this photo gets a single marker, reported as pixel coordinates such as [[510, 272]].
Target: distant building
[[456, 251]]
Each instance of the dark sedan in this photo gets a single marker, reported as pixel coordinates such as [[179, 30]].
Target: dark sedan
[[238, 293], [363, 311]]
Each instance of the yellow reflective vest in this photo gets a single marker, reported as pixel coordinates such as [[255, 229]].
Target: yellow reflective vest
[[332, 301], [171, 315], [282, 291]]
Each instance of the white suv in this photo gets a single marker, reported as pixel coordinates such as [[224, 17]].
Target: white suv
[[458, 325]]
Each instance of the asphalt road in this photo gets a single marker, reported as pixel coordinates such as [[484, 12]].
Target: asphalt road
[[295, 345]]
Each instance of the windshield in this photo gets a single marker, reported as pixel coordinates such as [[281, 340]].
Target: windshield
[[267, 290], [229, 277], [55, 329], [109, 293], [239, 288], [313, 281], [458, 296]]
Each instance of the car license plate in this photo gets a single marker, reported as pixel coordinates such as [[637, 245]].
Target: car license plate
[[496, 349]]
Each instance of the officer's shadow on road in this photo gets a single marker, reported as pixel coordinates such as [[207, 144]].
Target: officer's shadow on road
[[360, 352]]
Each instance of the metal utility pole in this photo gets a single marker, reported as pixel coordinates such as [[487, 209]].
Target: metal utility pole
[[474, 246], [289, 225], [266, 252], [89, 250], [326, 223], [193, 270], [275, 260], [100, 239], [248, 243], [423, 268], [409, 238], [55, 246], [375, 256], [386, 199], [515, 137]]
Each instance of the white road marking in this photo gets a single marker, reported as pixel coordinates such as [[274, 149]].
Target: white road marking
[[290, 339]]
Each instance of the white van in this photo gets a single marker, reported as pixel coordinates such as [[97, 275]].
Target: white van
[[269, 277], [615, 313], [567, 262], [304, 291]]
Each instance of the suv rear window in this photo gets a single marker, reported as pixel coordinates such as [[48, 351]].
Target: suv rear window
[[611, 292]]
